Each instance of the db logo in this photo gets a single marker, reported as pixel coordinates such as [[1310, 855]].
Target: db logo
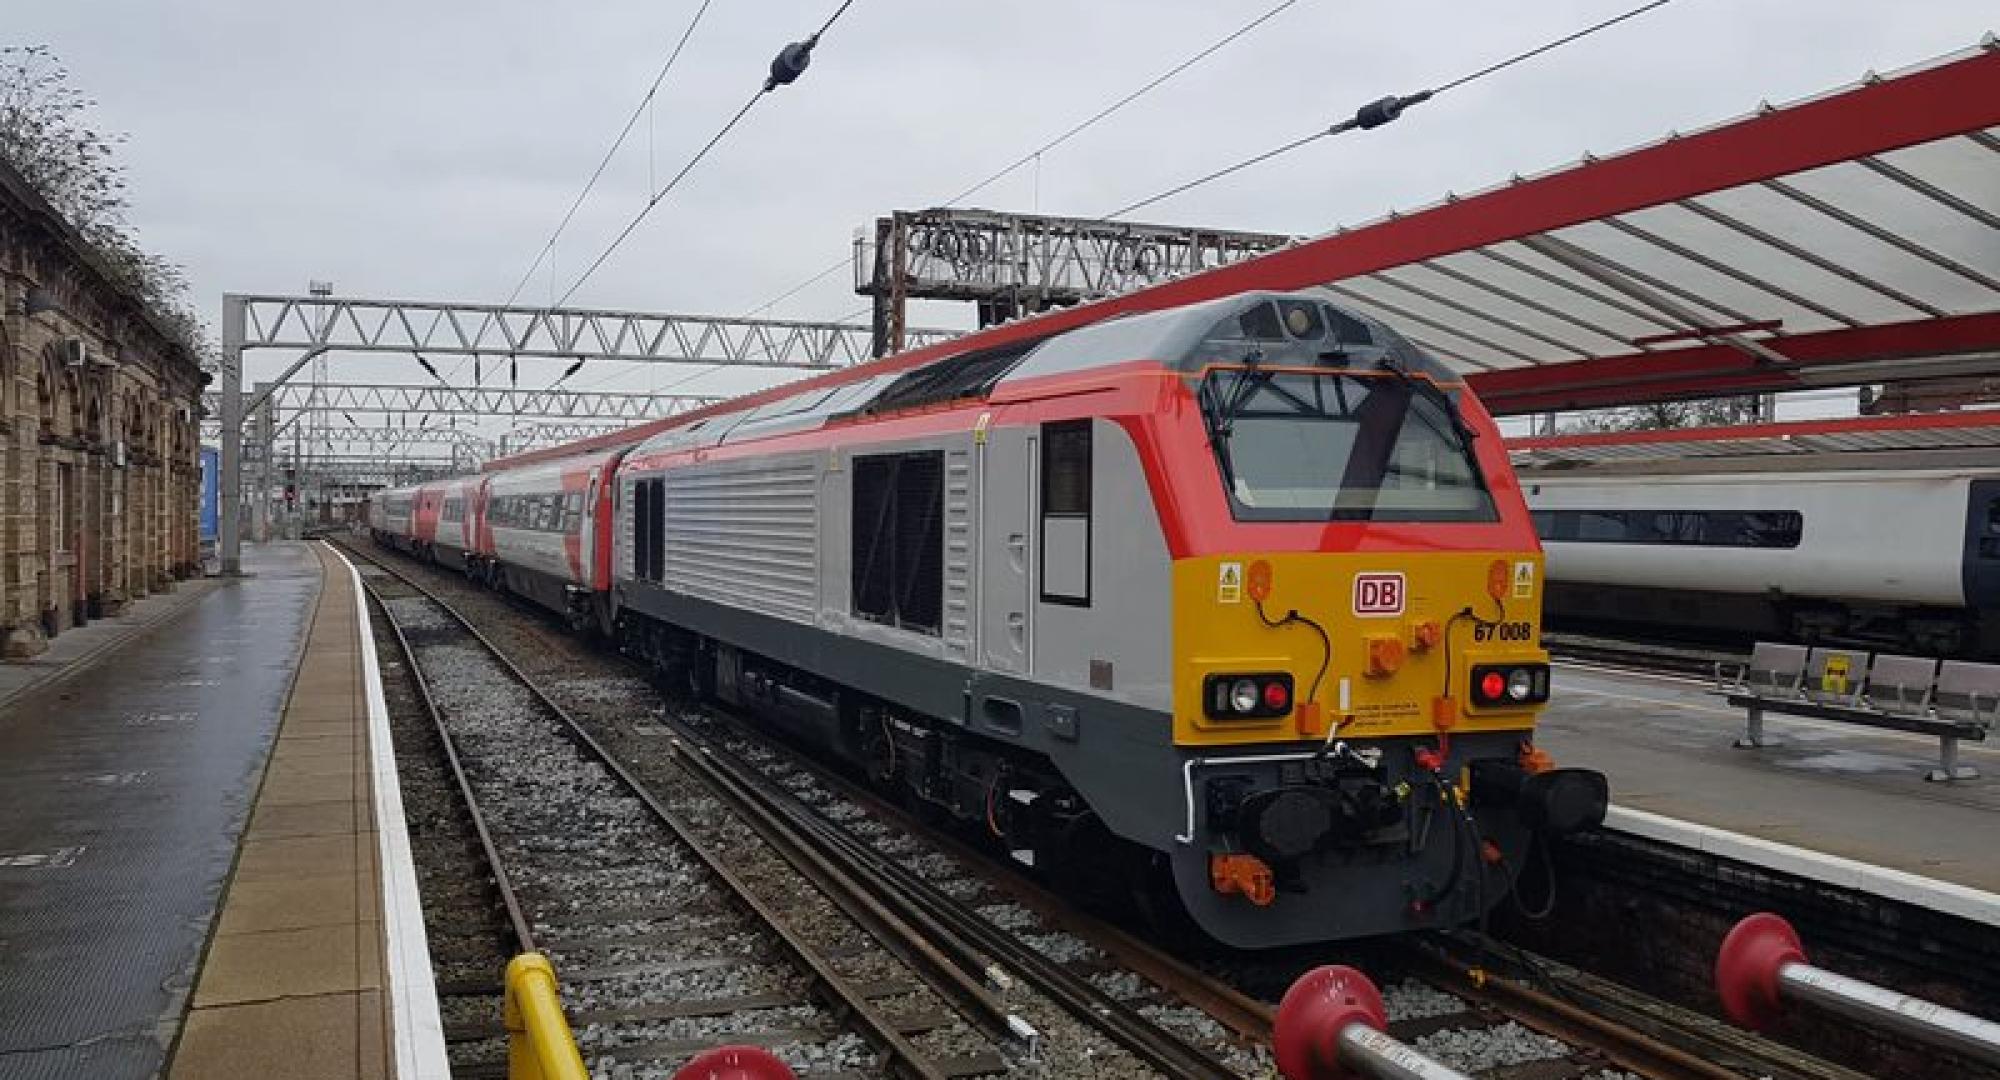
[[1378, 594]]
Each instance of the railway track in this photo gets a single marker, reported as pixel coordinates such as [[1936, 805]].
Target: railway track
[[592, 865], [1487, 1010], [1653, 657], [665, 945]]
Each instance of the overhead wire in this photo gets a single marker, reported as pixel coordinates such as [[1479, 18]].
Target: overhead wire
[[1387, 109], [603, 163], [645, 103], [1074, 130], [790, 63]]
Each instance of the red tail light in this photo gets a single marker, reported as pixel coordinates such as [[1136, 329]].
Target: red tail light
[[1509, 685]]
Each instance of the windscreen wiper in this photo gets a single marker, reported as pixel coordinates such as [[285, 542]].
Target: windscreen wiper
[[1222, 418], [1431, 390]]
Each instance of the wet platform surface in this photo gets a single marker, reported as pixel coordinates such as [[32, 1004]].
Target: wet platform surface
[[1844, 790], [123, 791], [292, 987]]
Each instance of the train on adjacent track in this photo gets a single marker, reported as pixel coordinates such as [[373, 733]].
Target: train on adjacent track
[[1897, 549], [1238, 598]]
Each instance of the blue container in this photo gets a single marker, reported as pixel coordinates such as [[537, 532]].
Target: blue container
[[211, 494]]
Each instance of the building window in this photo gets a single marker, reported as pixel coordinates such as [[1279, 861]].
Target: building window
[[1674, 528], [1066, 512], [898, 564]]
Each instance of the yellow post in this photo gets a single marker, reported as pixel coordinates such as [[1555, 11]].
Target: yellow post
[[539, 1043]]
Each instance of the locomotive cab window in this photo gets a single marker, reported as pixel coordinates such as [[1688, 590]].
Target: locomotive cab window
[[1066, 513], [1338, 446], [898, 557]]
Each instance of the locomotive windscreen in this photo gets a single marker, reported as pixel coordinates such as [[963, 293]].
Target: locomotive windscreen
[[1330, 446]]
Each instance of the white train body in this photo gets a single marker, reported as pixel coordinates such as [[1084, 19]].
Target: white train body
[[1908, 555]]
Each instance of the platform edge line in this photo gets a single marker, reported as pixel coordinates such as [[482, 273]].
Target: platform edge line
[[1947, 897], [418, 1026]]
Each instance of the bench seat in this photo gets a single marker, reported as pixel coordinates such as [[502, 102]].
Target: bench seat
[[1949, 700]]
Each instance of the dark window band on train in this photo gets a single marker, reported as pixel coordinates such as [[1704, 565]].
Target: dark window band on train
[[540, 513], [898, 558], [1693, 528], [967, 375]]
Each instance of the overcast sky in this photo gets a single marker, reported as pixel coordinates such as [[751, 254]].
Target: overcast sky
[[427, 149]]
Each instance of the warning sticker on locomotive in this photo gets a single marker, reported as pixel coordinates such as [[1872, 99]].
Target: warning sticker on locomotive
[[1524, 580], [1229, 583], [1378, 594]]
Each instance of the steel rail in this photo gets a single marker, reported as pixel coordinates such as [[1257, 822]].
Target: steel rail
[[1636, 1033], [843, 996], [1232, 1008], [921, 942], [1163, 1049], [517, 919], [1235, 1010]]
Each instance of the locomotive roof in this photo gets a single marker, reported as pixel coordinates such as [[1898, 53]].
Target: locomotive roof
[[1306, 327]]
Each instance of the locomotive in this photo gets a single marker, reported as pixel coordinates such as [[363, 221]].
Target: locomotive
[[1240, 597]]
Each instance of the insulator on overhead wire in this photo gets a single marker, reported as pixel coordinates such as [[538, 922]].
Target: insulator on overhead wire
[[1376, 113], [790, 63]]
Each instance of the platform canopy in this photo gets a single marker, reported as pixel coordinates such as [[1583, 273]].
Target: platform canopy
[[1849, 238]]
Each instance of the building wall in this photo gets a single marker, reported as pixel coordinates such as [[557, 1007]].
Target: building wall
[[99, 477]]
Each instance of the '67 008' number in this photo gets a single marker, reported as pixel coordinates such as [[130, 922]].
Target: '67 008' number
[[1503, 631]]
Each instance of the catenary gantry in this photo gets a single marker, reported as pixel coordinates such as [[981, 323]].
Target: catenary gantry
[[317, 325]]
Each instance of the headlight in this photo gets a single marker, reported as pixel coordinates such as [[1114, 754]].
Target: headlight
[[1520, 684], [1246, 695]]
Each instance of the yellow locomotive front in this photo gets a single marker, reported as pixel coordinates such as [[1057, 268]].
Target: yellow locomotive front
[[1356, 633]]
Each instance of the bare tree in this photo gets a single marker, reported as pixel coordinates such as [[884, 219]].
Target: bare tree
[[46, 135], [1661, 415]]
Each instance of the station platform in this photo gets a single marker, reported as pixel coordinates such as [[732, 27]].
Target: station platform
[[1854, 794], [190, 868]]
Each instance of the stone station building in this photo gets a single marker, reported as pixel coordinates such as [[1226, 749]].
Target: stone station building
[[100, 478]]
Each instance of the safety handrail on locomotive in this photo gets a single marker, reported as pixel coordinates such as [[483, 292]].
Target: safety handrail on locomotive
[[1318, 415]]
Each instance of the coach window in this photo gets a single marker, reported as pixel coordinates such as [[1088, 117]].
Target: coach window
[[898, 558], [1066, 513]]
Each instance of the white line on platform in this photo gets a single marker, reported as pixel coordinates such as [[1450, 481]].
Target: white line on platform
[[419, 1029], [1963, 901]]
